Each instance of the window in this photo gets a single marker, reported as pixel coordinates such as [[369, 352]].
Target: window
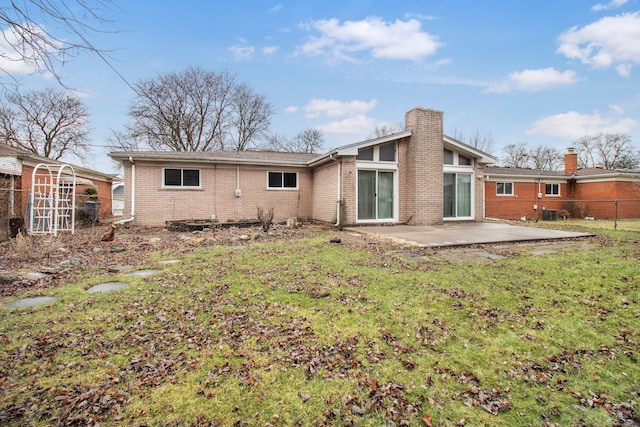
[[388, 152], [504, 188], [448, 157], [282, 180], [181, 178], [552, 189], [365, 154], [379, 153], [464, 161]]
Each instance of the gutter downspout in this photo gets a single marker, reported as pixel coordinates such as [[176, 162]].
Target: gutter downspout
[[133, 195], [339, 201]]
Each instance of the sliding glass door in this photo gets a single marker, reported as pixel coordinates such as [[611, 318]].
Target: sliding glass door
[[457, 195], [375, 195]]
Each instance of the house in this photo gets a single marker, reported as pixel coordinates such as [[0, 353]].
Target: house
[[417, 176], [16, 172], [517, 193]]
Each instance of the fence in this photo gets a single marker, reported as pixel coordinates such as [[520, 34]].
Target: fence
[[13, 202], [534, 209]]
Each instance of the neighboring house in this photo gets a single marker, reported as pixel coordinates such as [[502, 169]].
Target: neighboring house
[[117, 197], [418, 176], [16, 170], [520, 193]]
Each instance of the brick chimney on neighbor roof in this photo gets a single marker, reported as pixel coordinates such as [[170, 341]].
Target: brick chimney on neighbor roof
[[571, 161]]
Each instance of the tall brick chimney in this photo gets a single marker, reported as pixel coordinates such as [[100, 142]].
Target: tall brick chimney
[[424, 198], [571, 161]]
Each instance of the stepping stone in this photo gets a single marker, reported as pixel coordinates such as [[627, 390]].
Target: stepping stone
[[169, 261], [29, 302], [143, 273], [107, 287]]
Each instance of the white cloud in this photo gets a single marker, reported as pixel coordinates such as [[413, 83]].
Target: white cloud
[[242, 52], [358, 124], [13, 62], [611, 40], [276, 8], [616, 109], [401, 40], [335, 108], [439, 63], [613, 4], [268, 50], [572, 125], [534, 80], [291, 109]]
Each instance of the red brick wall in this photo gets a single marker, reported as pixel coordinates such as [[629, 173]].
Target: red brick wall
[[582, 199]]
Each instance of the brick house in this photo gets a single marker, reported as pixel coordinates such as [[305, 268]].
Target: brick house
[[417, 176], [16, 170], [517, 193]]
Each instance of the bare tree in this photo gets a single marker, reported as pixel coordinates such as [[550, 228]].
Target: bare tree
[[517, 155], [607, 151], [49, 123], [197, 110], [386, 129], [41, 35], [250, 118], [545, 158], [308, 141], [483, 141]]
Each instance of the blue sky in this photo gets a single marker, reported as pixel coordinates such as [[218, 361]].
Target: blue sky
[[544, 72]]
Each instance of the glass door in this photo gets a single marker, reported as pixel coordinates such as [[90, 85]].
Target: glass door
[[375, 195], [457, 195]]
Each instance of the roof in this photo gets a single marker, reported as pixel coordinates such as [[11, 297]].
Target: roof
[[245, 156], [6, 150], [480, 155], [580, 173]]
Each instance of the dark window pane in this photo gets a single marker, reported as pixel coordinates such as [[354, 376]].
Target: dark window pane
[[191, 178], [448, 157], [275, 179], [290, 180], [500, 188], [388, 152], [365, 154], [508, 188], [172, 177], [464, 161]]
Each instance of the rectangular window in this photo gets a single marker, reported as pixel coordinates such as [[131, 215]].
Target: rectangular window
[[388, 152], [365, 154], [282, 180], [504, 188], [181, 177], [552, 189], [448, 157], [464, 161]]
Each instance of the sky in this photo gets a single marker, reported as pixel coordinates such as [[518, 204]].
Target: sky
[[542, 73]]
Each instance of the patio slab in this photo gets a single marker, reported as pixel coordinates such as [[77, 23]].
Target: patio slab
[[464, 234]]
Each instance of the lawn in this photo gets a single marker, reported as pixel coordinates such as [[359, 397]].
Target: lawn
[[307, 332]]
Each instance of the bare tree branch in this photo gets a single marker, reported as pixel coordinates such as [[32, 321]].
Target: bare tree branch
[[42, 35]]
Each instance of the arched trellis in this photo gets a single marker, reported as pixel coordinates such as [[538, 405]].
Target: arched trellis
[[52, 200]]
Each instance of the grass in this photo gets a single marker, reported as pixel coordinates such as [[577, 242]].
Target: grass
[[308, 333]]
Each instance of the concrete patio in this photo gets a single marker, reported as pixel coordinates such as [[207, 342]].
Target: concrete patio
[[468, 233]]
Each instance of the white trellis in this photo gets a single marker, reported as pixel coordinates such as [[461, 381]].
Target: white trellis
[[52, 200]]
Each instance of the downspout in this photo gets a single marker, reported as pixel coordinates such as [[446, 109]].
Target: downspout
[[133, 195], [339, 201]]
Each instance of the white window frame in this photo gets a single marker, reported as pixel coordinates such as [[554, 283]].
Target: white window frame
[[553, 185], [283, 188], [182, 186], [376, 154], [503, 193]]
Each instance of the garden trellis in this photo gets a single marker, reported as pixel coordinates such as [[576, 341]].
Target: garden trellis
[[52, 199]]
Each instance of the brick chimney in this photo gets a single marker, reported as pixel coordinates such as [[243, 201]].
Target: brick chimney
[[571, 161]]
